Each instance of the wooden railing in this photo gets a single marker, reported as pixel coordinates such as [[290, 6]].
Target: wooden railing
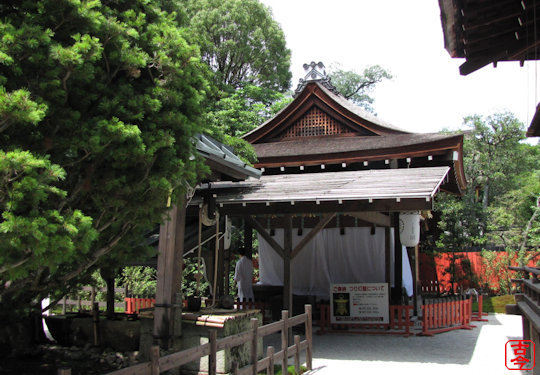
[[172, 361], [446, 315], [399, 323]]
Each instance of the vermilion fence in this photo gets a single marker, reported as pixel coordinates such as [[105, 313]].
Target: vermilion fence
[[134, 305], [399, 323], [467, 269], [446, 315]]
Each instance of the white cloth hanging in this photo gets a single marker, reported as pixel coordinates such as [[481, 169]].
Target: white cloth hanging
[[330, 258], [406, 273]]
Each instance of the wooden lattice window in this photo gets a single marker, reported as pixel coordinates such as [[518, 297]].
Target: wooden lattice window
[[315, 123]]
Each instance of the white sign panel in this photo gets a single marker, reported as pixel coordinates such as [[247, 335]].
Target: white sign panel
[[359, 303]]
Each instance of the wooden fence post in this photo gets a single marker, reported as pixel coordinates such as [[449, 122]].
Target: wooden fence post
[[212, 357], [297, 354], [284, 341], [309, 337], [95, 316], [254, 342], [64, 301], [154, 357], [270, 355], [126, 295]]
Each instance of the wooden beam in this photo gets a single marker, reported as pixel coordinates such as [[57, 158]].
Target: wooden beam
[[280, 208], [377, 218], [320, 225], [262, 231]]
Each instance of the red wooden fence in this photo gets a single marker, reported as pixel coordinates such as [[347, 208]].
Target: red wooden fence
[[446, 316], [399, 324], [478, 316], [469, 266], [134, 305]]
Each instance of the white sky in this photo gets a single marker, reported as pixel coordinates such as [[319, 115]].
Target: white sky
[[405, 37]]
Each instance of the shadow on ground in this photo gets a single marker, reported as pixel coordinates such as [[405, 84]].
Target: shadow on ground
[[454, 347]]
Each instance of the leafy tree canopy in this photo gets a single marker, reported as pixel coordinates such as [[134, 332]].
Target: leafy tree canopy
[[241, 112], [98, 105], [241, 43], [499, 206], [358, 87]]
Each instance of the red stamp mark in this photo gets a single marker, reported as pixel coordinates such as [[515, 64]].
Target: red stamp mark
[[519, 355]]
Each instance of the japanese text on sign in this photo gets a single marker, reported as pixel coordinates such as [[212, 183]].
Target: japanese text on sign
[[359, 303]]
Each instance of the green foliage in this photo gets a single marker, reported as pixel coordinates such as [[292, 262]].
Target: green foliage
[[35, 234], [492, 154], [98, 105], [241, 112], [495, 304], [241, 43], [189, 282], [141, 281], [358, 87], [499, 205], [503, 186], [245, 51]]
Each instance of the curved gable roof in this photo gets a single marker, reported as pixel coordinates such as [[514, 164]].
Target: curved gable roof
[[354, 120]]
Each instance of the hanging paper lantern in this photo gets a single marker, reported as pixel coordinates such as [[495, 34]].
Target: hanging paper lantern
[[409, 228]]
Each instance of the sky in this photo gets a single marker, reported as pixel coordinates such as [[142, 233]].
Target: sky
[[427, 93]]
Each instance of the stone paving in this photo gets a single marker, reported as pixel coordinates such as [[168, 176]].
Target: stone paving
[[478, 351]]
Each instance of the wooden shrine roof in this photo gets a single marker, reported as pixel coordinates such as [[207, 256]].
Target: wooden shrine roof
[[488, 31], [364, 190], [325, 113], [343, 149]]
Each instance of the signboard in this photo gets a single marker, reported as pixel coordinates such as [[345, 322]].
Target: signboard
[[359, 303]]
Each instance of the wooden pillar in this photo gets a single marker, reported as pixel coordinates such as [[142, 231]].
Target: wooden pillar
[[398, 261], [287, 270], [222, 273], [169, 274], [227, 261], [388, 260], [287, 274], [417, 297], [108, 274], [248, 239], [110, 297]]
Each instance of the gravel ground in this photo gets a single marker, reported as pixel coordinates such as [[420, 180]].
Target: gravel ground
[[478, 351]]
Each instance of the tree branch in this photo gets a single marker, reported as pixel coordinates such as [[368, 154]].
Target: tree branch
[[17, 264], [98, 253]]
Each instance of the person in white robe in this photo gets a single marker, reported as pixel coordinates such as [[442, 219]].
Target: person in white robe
[[243, 275]]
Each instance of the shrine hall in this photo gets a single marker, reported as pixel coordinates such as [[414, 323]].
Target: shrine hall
[[334, 180]]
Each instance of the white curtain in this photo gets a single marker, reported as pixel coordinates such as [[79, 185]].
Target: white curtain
[[354, 257]]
